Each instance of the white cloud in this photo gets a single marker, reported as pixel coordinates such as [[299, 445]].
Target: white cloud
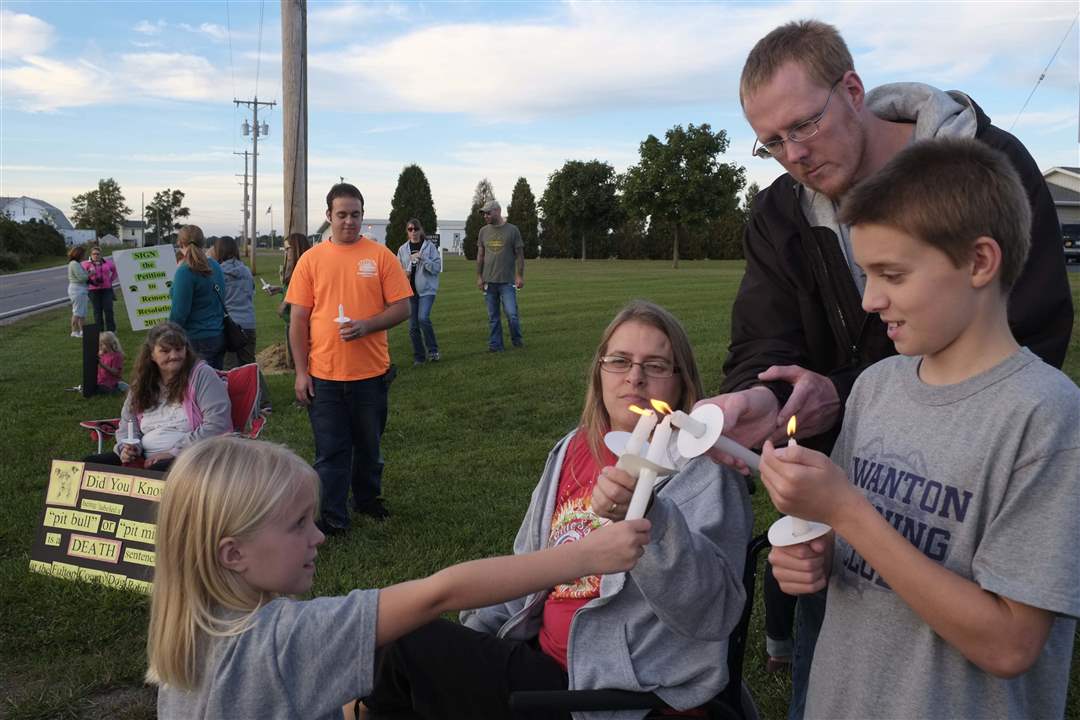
[[175, 76], [41, 84], [598, 56], [214, 32], [1049, 121], [22, 35], [334, 22], [149, 28]]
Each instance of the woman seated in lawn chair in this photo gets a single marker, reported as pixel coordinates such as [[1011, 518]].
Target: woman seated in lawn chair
[[661, 627], [174, 400]]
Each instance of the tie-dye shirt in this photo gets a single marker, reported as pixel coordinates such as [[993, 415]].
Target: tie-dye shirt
[[572, 520]]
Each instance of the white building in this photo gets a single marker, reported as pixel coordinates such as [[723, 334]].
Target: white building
[[1064, 185], [132, 232]]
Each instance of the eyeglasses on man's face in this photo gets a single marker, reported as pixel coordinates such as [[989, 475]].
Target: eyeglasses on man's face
[[800, 133], [412, 228], [621, 365]]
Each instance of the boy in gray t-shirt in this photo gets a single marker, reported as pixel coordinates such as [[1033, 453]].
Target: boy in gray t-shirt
[[953, 578]]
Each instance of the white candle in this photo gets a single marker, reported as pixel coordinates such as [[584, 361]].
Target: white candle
[[657, 455], [726, 444], [131, 433], [798, 525], [266, 285], [341, 313], [645, 424], [688, 424]]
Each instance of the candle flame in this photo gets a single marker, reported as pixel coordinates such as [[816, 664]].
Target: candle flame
[[791, 426], [639, 411], [661, 406]]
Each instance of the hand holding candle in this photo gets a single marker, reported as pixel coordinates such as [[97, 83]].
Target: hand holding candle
[[791, 530]]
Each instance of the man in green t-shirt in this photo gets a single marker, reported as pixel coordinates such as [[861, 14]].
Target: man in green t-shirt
[[500, 272]]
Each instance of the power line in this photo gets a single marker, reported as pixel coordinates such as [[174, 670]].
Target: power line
[[258, 57], [1043, 74], [228, 32]]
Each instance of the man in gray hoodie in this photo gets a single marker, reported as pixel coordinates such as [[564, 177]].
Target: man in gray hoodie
[[799, 336]]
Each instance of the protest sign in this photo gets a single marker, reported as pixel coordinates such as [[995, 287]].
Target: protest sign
[[99, 524], [146, 274]]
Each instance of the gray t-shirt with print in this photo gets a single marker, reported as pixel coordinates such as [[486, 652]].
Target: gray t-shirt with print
[[500, 243], [300, 659], [981, 477]]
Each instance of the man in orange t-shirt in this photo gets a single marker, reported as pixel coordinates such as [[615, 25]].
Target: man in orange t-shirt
[[342, 367]]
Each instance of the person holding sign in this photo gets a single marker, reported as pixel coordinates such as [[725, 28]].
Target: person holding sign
[[174, 400], [236, 537], [663, 626]]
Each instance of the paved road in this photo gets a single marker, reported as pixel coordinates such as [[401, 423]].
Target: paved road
[[23, 292]]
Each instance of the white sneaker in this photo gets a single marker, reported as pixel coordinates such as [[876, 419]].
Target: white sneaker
[[76, 334]]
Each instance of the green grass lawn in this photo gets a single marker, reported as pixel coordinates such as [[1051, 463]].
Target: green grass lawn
[[465, 444]]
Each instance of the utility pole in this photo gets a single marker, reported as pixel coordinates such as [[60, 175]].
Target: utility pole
[[244, 233], [294, 113], [255, 130]]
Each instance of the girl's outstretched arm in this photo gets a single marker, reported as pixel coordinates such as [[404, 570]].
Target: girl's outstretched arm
[[477, 583]]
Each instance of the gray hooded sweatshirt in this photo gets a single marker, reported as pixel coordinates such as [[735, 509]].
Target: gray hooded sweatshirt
[[663, 626]]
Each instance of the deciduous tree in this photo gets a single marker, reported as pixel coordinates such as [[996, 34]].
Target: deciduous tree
[[102, 209], [682, 182], [580, 202], [163, 216]]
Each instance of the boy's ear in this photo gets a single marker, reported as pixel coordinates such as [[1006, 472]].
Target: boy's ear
[[231, 555], [985, 261]]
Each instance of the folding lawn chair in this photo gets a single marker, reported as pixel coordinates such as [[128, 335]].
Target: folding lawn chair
[[242, 384]]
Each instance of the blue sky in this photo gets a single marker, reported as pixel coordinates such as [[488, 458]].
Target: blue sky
[[142, 91]]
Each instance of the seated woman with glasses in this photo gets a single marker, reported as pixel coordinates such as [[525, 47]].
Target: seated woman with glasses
[[661, 627]]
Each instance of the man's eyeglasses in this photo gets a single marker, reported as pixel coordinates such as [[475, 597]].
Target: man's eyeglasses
[[412, 229], [800, 133], [652, 368]]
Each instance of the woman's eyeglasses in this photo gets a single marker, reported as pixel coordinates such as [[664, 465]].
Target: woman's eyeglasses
[[652, 368]]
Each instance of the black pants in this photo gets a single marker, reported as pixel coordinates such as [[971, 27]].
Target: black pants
[[111, 458], [445, 670], [779, 608], [102, 301]]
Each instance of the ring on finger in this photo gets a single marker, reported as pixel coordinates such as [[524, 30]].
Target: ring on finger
[[614, 507]]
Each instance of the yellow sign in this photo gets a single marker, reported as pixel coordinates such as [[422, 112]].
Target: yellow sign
[[64, 483], [71, 520], [105, 482], [148, 489], [137, 531], [94, 548], [142, 557], [102, 506], [52, 539]]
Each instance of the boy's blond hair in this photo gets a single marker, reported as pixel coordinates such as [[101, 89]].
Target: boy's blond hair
[[947, 193], [814, 45], [217, 488]]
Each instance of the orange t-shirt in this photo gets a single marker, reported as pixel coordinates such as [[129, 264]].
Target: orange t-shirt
[[365, 277]]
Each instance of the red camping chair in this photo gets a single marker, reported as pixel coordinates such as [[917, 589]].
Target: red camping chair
[[242, 384]]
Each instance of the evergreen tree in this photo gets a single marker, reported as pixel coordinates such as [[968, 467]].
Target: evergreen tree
[[474, 222], [412, 199], [522, 213]]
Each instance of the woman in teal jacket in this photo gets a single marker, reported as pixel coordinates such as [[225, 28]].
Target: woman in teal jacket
[[198, 297]]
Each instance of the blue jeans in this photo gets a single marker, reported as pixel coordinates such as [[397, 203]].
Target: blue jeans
[[211, 349], [809, 612], [420, 325], [507, 294], [348, 419]]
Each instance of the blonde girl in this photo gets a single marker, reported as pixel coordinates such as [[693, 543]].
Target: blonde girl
[[236, 537], [110, 371]]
